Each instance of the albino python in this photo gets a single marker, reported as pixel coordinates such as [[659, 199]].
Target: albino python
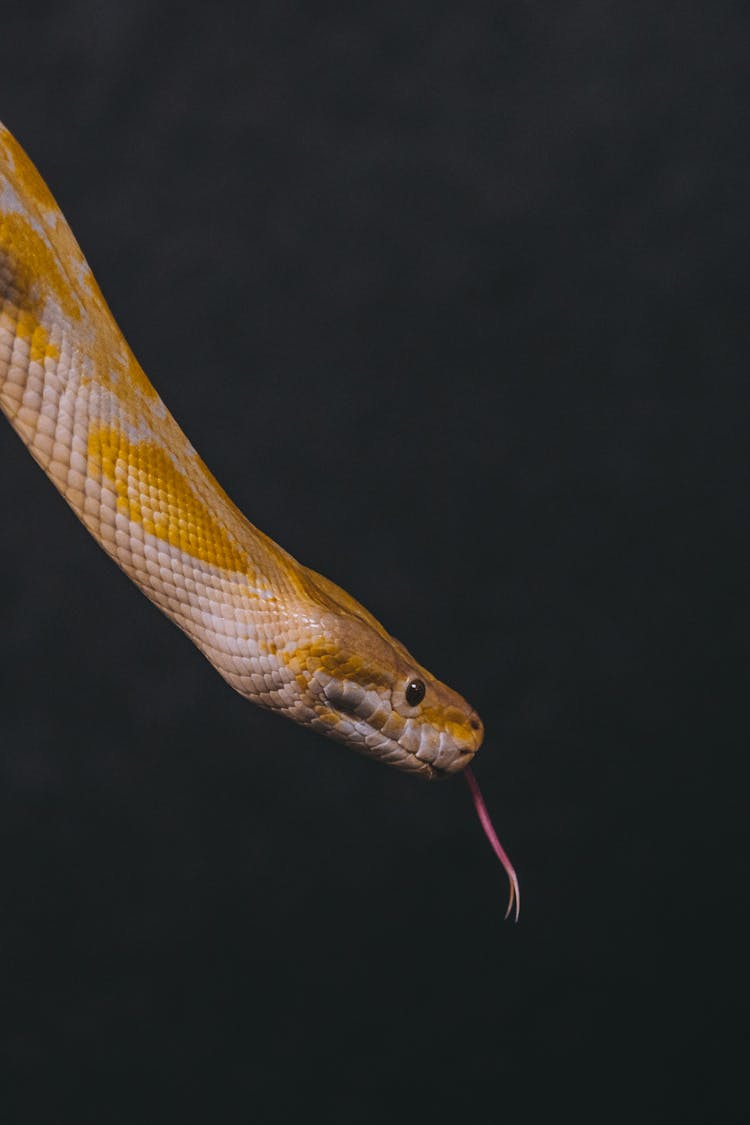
[[280, 634]]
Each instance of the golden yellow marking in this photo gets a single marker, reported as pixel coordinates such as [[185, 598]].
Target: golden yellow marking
[[23, 324], [117, 369], [458, 728], [136, 376], [154, 494], [36, 268], [26, 176], [328, 716], [54, 266], [40, 348], [344, 666]]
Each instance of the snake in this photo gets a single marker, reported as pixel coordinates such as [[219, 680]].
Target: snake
[[282, 635]]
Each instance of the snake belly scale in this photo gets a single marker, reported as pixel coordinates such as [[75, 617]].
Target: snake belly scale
[[283, 636]]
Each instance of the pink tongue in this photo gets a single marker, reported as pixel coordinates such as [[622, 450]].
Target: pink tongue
[[497, 847]]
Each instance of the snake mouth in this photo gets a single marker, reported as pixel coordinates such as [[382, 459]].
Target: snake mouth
[[407, 761], [428, 762], [432, 758], [459, 763]]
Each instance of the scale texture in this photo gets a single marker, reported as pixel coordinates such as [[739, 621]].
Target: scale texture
[[280, 634]]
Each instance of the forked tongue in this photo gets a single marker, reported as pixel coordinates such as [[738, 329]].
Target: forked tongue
[[497, 847]]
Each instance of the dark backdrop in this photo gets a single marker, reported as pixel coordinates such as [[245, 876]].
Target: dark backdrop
[[452, 299]]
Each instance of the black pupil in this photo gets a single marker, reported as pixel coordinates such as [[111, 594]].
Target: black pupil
[[414, 692]]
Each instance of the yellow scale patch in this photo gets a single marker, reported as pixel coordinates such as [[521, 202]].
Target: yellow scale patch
[[25, 174], [155, 495], [21, 311], [440, 717], [55, 267], [151, 491], [40, 347], [37, 270], [349, 666]]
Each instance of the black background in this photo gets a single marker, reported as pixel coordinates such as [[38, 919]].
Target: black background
[[452, 299]]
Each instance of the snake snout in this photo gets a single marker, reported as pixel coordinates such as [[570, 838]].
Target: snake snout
[[450, 741], [477, 726]]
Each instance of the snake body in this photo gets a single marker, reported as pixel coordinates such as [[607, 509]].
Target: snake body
[[280, 634]]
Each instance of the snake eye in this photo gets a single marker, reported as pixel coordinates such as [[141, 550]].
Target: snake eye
[[414, 693]]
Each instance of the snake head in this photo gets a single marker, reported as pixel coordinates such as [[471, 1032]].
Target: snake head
[[362, 687]]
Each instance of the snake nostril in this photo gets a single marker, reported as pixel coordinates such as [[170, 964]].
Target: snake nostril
[[474, 724]]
